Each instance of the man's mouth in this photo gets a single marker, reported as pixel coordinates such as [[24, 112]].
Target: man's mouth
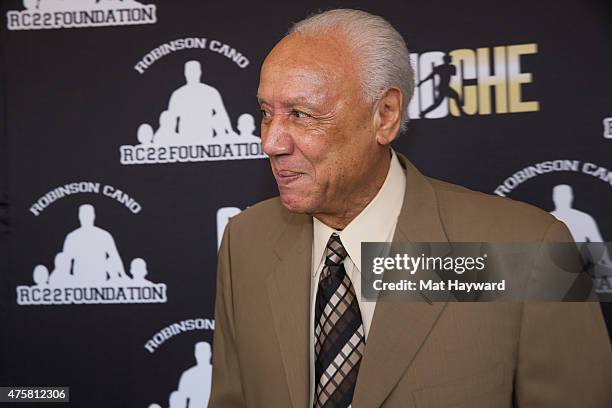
[[285, 177]]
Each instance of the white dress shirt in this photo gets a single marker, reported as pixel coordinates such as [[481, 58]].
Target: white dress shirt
[[376, 223]]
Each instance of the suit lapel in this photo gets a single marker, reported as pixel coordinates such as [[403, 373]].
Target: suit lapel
[[399, 328], [289, 294]]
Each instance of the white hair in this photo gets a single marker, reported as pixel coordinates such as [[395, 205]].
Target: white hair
[[385, 60]]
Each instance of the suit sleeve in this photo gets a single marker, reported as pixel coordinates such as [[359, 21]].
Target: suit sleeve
[[564, 353], [226, 389]]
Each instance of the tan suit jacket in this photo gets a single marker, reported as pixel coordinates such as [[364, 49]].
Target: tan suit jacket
[[417, 354]]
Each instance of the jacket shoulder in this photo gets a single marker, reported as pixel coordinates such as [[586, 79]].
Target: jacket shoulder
[[260, 221], [472, 215]]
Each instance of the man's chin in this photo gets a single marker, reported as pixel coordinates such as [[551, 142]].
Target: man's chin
[[295, 204]]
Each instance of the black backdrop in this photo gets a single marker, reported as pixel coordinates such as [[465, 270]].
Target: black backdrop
[[71, 97]]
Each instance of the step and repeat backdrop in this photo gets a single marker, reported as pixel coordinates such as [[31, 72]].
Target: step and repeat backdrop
[[130, 134]]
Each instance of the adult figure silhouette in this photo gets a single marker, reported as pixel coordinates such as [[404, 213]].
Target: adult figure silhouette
[[443, 89], [195, 381], [582, 226], [92, 252], [196, 110]]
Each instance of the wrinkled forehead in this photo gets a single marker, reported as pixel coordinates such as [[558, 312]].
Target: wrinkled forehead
[[307, 65]]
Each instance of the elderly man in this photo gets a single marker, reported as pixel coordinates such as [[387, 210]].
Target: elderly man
[[291, 327]]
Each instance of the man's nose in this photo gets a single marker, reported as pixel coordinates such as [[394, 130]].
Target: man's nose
[[276, 138]]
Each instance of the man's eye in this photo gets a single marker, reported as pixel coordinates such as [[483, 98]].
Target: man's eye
[[264, 114], [299, 114]]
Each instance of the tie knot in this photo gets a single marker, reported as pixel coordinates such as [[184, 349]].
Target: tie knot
[[334, 252]]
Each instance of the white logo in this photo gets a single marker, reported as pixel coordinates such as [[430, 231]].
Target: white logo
[[194, 383], [89, 269], [48, 14], [607, 126], [195, 127], [583, 227]]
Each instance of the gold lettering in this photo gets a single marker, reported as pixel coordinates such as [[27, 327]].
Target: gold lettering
[[516, 78], [488, 81]]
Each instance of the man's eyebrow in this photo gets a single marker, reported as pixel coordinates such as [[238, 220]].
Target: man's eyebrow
[[298, 100]]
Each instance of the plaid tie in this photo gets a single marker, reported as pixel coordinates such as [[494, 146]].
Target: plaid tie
[[339, 335]]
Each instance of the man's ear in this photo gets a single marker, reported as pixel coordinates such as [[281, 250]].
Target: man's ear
[[388, 115]]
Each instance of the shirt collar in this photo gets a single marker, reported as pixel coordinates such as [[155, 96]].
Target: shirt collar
[[375, 223]]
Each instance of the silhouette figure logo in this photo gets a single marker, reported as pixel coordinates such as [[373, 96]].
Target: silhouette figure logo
[[582, 226], [441, 76], [194, 383], [194, 127], [89, 269]]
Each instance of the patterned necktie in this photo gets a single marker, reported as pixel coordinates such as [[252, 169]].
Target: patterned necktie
[[339, 334]]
